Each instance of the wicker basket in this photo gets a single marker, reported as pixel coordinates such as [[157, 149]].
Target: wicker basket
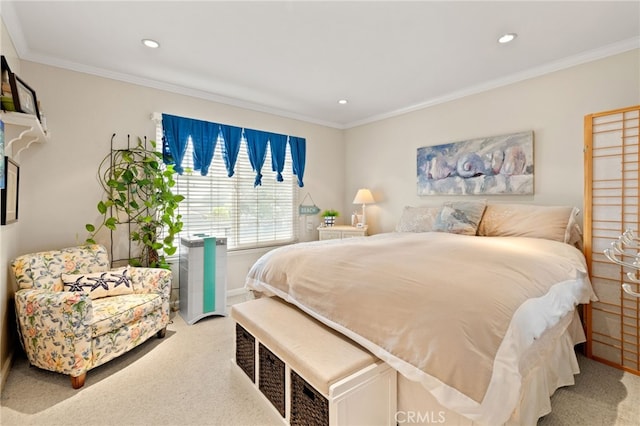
[[308, 406], [246, 352], [271, 373]]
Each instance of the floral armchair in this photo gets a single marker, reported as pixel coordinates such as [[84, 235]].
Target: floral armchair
[[74, 313]]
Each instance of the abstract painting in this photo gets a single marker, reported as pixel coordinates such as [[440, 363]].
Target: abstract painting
[[492, 165]]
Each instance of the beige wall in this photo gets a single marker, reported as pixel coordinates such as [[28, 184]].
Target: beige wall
[[8, 243], [382, 155], [83, 111]]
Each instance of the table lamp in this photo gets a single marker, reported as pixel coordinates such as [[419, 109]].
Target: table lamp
[[364, 197]]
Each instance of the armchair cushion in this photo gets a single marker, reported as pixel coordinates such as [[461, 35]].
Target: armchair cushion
[[100, 284], [117, 311]]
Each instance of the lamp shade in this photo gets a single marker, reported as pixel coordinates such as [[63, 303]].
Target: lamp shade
[[364, 196]]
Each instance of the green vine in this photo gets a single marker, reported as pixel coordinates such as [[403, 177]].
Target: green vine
[[138, 193]]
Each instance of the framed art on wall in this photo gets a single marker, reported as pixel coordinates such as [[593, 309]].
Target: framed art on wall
[[9, 193], [24, 97], [491, 165], [1, 154]]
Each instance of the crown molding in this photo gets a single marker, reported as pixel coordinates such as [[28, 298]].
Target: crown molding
[[173, 88], [568, 62], [17, 35]]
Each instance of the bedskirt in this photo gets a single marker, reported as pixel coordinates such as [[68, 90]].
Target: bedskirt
[[548, 364]]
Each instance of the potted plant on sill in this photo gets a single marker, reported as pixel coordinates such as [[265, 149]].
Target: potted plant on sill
[[138, 195], [330, 217]]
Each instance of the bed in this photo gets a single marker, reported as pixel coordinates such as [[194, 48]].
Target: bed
[[474, 305]]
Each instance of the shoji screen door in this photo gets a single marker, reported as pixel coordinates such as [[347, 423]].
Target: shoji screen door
[[612, 179]]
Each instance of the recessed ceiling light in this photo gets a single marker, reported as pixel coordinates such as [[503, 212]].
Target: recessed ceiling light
[[150, 43], [343, 101], [506, 38]]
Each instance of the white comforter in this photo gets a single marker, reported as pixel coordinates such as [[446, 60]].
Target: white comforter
[[452, 312]]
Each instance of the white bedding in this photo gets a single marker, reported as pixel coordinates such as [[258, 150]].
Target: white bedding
[[548, 364], [459, 311]]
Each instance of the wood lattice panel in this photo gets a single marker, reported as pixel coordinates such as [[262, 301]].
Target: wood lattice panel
[[612, 182]]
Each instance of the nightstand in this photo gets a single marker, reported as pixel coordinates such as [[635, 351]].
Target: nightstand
[[341, 232]]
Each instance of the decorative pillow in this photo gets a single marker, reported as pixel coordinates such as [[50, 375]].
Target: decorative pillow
[[417, 219], [100, 284], [526, 220], [460, 217]]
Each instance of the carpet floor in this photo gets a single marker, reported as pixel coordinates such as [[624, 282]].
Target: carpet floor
[[187, 379]]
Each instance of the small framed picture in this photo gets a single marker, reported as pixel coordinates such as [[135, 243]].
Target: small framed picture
[[24, 97], [1, 154], [9, 193]]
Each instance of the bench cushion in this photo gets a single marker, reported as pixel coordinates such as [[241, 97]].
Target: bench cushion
[[317, 353]]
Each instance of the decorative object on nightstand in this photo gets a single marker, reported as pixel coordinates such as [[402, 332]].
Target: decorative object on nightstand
[[364, 197], [330, 217], [341, 232]]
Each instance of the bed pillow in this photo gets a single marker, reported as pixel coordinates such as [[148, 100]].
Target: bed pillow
[[575, 232], [555, 223], [417, 219], [460, 217], [100, 284]]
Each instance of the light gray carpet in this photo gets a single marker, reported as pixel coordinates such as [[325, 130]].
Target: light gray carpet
[[602, 395], [183, 379], [186, 379]]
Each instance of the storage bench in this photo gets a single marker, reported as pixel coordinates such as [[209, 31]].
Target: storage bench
[[311, 374]]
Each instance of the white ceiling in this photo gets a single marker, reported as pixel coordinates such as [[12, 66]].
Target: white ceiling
[[297, 58]]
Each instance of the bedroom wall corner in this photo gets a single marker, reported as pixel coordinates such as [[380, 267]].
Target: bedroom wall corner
[[552, 105], [8, 245]]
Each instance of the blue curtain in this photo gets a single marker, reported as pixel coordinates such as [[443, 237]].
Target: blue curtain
[[278, 144], [298, 156], [257, 147], [232, 136], [204, 136], [176, 133]]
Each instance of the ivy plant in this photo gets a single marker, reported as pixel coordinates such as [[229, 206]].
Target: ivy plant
[[138, 194]]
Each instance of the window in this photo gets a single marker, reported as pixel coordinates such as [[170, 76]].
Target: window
[[231, 207]]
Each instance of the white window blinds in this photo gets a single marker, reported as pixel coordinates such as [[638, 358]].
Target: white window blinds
[[222, 206]]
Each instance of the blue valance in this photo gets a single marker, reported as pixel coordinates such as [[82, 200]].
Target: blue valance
[[278, 144], [257, 148], [204, 136], [298, 147], [176, 134], [232, 136]]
